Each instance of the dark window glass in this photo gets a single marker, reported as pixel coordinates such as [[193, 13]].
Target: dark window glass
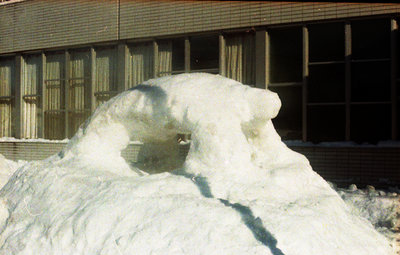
[[326, 123], [288, 121], [370, 39], [204, 52], [370, 81], [178, 55], [398, 52], [326, 83], [370, 123], [398, 110], [286, 55], [326, 42]]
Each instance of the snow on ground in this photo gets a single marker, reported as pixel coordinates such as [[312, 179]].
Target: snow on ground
[[239, 191], [381, 208]]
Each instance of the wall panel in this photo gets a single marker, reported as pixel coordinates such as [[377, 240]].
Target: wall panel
[[38, 24], [173, 17], [31, 24]]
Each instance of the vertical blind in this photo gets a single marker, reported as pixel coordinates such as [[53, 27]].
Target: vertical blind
[[140, 63], [78, 93], [6, 83], [30, 91], [54, 97], [240, 58], [106, 74], [165, 58]]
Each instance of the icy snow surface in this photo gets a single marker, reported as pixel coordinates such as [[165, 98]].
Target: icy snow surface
[[239, 191], [7, 168]]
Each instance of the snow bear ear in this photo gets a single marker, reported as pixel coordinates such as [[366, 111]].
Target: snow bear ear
[[264, 104]]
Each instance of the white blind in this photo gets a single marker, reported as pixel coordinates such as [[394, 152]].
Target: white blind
[[106, 74], [165, 58], [7, 68], [78, 94], [54, 109], [240, 58], [30, 89], [140, 63]]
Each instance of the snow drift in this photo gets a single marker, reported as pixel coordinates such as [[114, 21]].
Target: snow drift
[[239, 191]]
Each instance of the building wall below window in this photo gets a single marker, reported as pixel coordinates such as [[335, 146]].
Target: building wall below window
[[378, 166]]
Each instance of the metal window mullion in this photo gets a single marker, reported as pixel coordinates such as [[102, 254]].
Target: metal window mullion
[[18, 109], [222, 55], [155, 59], [66, 91], [305, 82], [187, 55], [348, 53], [92, 85], [393, 74], [262, 59], [42, 92]]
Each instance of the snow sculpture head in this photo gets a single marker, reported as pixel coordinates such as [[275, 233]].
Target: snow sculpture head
[[219, 113]]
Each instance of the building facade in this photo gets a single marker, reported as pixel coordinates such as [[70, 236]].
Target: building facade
[[334, 66]]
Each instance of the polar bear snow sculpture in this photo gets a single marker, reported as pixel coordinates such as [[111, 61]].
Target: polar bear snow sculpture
[[239, 191]]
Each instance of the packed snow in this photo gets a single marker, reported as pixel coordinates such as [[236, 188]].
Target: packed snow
[[240, 190], [7, 169], [380, 207]]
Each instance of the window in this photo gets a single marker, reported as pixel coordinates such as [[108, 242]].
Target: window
[[178, 55], [286, 76], [106, 74], [7, 74], [78, 84], [370, 81], [326, 42], [171, 56], [164, 58], [54, 81], [286, 55], [326, 123], [370, 39], [31, 90], [288, 121], [397, 96], [240, 57], [326, 83], [326, 112], [368, 103], [140, 63], [370, 122], [204, 54]]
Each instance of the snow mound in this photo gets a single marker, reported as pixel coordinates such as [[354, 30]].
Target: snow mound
[[239, 191]]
